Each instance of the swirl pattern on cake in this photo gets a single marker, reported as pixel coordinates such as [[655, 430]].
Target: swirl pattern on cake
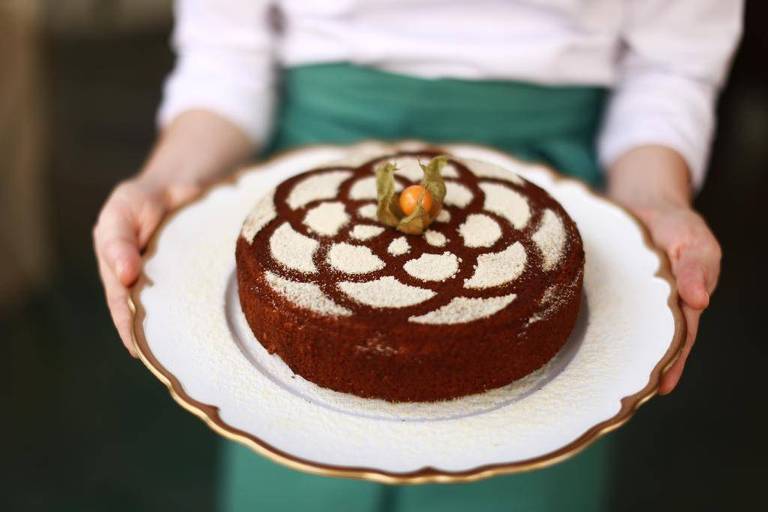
[[488, 294]]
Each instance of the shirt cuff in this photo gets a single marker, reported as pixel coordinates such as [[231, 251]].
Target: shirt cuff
[[237, 90], [664, 109]]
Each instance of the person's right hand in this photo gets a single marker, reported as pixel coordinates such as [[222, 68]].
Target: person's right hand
[[127, 221]]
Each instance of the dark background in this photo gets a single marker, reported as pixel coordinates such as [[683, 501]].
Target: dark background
[[89, 428]]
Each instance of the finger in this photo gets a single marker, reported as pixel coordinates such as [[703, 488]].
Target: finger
[[690, 271], [117, 301], [117, 245], [672, 376], [697, 250], [149, 217]]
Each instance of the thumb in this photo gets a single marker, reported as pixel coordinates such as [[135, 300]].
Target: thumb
[[690, 271], [117, 242]]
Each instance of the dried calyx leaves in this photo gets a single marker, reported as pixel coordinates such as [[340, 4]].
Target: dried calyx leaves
[[389, 211]]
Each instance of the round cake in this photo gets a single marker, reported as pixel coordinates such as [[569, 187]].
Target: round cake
[[486, 295]]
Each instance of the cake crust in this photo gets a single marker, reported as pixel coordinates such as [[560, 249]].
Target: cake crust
[[508, 304]]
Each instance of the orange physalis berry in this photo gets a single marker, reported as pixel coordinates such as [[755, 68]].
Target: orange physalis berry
[[409, 199]]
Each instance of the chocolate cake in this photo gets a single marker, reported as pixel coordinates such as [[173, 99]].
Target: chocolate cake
[[486, 295]]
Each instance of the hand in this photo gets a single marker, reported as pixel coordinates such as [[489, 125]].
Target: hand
[[197, 148], [694, 254], [127, 221], [652, 182]]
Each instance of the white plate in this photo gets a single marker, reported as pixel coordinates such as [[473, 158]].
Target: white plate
[[191, 333]]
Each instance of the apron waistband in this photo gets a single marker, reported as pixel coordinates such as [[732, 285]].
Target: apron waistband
[[342, 103]]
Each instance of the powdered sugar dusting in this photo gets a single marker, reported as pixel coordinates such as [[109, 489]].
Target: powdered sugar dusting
[[363, 152], [326, 218], [411, 145], [318, 186], [457, 194], [433, 267], [366, 231], [368, 211], [353, 259], [498, 268], [449, 171], [508, 203], [549, 294], [408, 167], [483, 169], [550, 239], [365, 188], [385, 292], [479, 231], [435, 238], [305, 295], [399, 246], [443, 216], [260, 216], [465, 309], [554, 298], [293, 250]]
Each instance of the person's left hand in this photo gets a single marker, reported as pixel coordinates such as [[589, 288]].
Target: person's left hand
[[652, 182], [694, 254]]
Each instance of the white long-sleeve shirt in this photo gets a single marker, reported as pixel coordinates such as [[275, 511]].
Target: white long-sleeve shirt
[[665, 60]]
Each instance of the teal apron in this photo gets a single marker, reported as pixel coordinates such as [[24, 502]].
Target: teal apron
[[341, 103]]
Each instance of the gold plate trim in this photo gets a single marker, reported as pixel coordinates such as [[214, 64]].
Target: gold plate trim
[[210, 414]]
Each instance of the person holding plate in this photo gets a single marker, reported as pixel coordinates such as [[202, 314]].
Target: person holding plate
[[620, 94]]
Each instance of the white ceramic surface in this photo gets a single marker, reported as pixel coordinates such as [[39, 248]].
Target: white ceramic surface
[[193, 333]]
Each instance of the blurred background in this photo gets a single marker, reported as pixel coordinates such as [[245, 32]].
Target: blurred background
[[88, 428]]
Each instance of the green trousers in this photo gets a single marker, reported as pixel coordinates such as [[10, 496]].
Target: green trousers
[[340, 103]]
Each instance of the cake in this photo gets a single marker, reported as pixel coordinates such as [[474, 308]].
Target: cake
[[486, 295]]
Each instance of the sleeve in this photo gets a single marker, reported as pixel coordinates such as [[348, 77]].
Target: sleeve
[[673, 61], [224, 63]]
